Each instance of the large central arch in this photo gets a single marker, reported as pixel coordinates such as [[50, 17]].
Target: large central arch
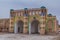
[[34, 26]]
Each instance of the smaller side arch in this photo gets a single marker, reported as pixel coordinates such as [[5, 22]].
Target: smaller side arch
[[49, 26]]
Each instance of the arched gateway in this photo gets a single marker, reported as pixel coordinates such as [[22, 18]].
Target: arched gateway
[[34, 26], [30, 20], [19, 27]]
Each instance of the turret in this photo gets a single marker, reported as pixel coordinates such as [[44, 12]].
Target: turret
[[25, 11], [43, 10]]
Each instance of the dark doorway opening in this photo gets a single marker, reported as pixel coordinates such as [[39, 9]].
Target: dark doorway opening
[[34, 26], [20, 26]]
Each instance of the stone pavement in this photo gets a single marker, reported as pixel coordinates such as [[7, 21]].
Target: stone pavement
[[25, 37]]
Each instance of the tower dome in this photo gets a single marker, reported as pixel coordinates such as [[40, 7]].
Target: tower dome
[[49, 15], [43, 7], [11, 9], [25, 8]]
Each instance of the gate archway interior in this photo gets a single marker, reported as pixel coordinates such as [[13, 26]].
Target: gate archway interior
[[34, 26], [20, 26]]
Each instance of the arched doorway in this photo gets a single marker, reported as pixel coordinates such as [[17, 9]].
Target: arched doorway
[[49, 26], [34, 26], [20, 26]]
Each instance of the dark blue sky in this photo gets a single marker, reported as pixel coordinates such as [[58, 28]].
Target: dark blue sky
[[53, 6]]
